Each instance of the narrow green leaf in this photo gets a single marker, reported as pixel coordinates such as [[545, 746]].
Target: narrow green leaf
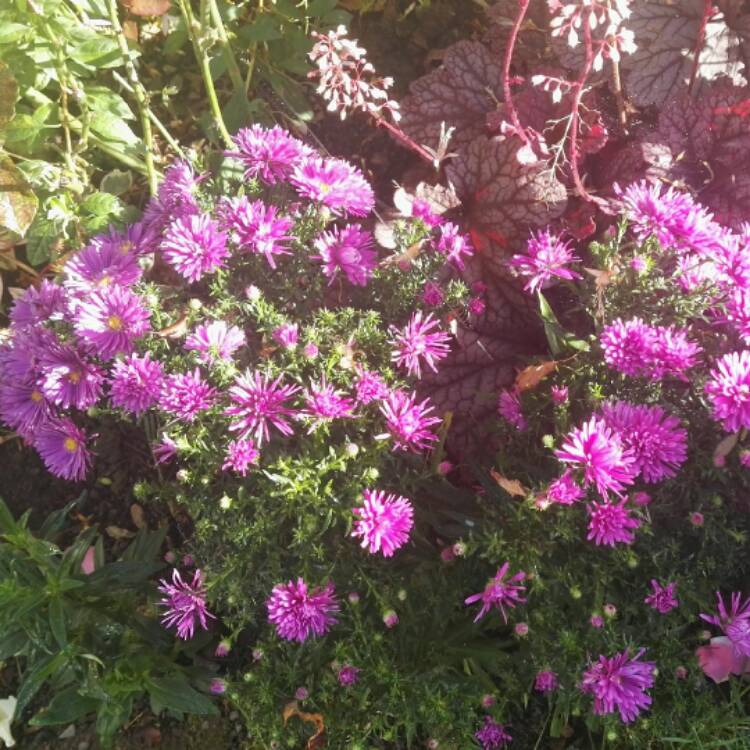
[[174, 692], [65, 708]]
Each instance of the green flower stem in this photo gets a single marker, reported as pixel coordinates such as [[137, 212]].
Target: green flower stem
[[62, 76], [140, 95], [232, 66], [253, 52]]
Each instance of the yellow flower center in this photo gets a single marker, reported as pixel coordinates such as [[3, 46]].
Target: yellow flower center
[[104, 281], [74, 377], [325, 188], [126, 247], [70, 445], [36, 396], [114, 322]]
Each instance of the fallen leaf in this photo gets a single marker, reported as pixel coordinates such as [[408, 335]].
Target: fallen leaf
[[318, 739], [531, 376], [512, 486], [138, 516], [176, 330], [147, 7], [115, 532], [725, 447]]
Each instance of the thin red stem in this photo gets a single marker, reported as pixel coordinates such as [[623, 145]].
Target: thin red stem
[[404, 139], [523, 6], [708, 11]]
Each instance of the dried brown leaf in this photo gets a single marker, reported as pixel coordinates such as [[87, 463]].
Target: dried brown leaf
[[138, 516], [147, 7], [318, 739], [512, 486], [115, 532], [530, 377]]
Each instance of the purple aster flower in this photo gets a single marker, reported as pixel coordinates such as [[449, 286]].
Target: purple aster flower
[[418, 341], [454, 245], [499, 593], [663, 599], [671, 354], [619, 684], [185, 604], [409, 423], [564, 490], [287, 335], [335, 184], [217, 686], [559, 394], [38, 305], [596, 621], [268, 153], [135, 383], [737, 313], [68, 378], [194, 246], [23, 407], [492, 735], [657, 441], [324, 403], [734, 622], [729, 390], [598, 451], [135, 239], [611, 523], [101, 264], [215, 341], [547, 257], [422, 210], [257, 228], [63, 448], [110, 319], [20, 358], [349, 250], [369, 387], [164, 451], [241, 454], [348, 675], [298, 613], [383, 522], [176, 197], [432, 294], [626, 345], [509, 408], [545, 682], [257, 401], [185, 395]]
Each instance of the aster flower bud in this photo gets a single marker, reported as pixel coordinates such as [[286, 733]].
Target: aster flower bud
[[597, 621], [353, 597], [301, 694], [401, 595], [351, 449], [390, 619], [521, 629], [697, 519], [610, 610], [225, 503], [223, 648], [445, 467], [218, 686], [488, 700], [681, 673], [257, 654]]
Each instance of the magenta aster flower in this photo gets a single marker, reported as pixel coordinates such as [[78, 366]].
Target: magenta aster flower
[[23, 407], [672, 354], [287, 335], [63, 448], [110, 319], [564, 490], [454, 245], [598, 451], [662, 599], [136, 383], [547, 257], [185, 604], [349, 250], [348, 675], [298, 613], [101, 264], [268, 153], [728, 390], [165, 450], [258, 401], [194, 246], [657, 441], [626, 345], [369, 387], [384, 522], [611, 523], [257, 228], [324, 403], [215, 341], [409, 423], [559, 394], [510, 409], [499, 593], [422, 210], [619, 684], [734, 622], [492, 735], [545, 682], [185, 395], [418, 341], [737, 313], [432, 294], [138, 239], [241, 454], [38, 305], [176, 197], [335, 184], [68, 378]]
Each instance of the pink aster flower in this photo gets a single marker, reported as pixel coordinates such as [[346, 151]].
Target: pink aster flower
[[421, 339], [626, 345], [492, 735], [734, 621], [37, 305], [456, 247], [510, 409], [559, 394], [728, 390], [384, 522], [547, 257], [324, 403], [135, 383], [348, 675], [23, 407], [68, 378], [215, 341], [349, 250], [165, 450], [298, 613], [432, 294], [241, 454], [545, 682], [369, 387], [268, 153], [110, 319], [598, 451], [662, 599], [98, 265], [409, 423], [564, 490], [138, 239], [63, 448], [611, 523], [657, 441], [737, 313], [671, 354], [185, 395], [194, 246], [500, 593], [619, 683], [336, 184], [257, 228], [185, 604], [287, 335], [257, 401]]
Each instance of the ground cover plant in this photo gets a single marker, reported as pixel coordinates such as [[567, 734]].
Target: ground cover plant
[[463, 469]]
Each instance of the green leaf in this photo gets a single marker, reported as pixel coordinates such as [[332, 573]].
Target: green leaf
[[12, 33], [65, 708], [113, 128], [174, 692], [319, 8], [111, 716], [13, 644], [146, 545], [123, 573], [18, 204], [57, 621], [100, 204], [7, 522], [39, 243], [99, 52], [264, 29], [102, 99], [35, 677], [117, 182], [55, 521]]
